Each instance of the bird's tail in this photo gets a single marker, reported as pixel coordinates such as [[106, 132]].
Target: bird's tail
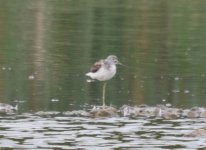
[[89, 74]]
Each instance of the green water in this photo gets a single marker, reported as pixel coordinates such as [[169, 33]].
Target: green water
[[46, 47]]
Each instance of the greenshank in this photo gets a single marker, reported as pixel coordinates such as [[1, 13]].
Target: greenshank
[[104, 70]]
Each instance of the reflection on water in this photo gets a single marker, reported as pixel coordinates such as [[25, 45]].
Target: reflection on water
[[46, 47], [62, 132]]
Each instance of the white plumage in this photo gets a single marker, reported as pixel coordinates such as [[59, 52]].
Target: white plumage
[[104, 70], [103, 73]]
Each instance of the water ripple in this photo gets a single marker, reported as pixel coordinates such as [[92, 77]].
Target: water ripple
[[30, 131]]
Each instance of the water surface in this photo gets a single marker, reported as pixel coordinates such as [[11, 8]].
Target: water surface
[[62, 132], [46, 47]]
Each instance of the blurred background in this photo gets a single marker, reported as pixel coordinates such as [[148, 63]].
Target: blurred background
[[47, 46]]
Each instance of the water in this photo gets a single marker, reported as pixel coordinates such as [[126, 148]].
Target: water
[[62, 132], [46, 47]]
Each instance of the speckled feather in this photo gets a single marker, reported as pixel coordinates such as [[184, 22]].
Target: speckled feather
[[97, 65]]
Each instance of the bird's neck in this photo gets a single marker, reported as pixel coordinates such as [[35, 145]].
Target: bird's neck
[[110, 66]]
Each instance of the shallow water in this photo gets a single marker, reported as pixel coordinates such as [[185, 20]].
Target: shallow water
[[47, 46], [33, 131]]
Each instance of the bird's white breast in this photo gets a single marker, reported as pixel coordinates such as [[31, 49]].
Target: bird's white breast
[[103, 73]]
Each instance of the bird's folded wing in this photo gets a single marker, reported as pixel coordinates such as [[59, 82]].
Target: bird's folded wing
[[96, 66]]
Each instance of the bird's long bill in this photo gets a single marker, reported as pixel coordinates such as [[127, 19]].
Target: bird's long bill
[[119, 63]]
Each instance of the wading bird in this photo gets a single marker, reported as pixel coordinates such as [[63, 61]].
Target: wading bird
[[104, 70]]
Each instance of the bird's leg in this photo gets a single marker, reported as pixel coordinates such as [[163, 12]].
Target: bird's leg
[[103, 94]]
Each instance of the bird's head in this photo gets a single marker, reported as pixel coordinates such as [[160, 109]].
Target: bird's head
[[113, 59]]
